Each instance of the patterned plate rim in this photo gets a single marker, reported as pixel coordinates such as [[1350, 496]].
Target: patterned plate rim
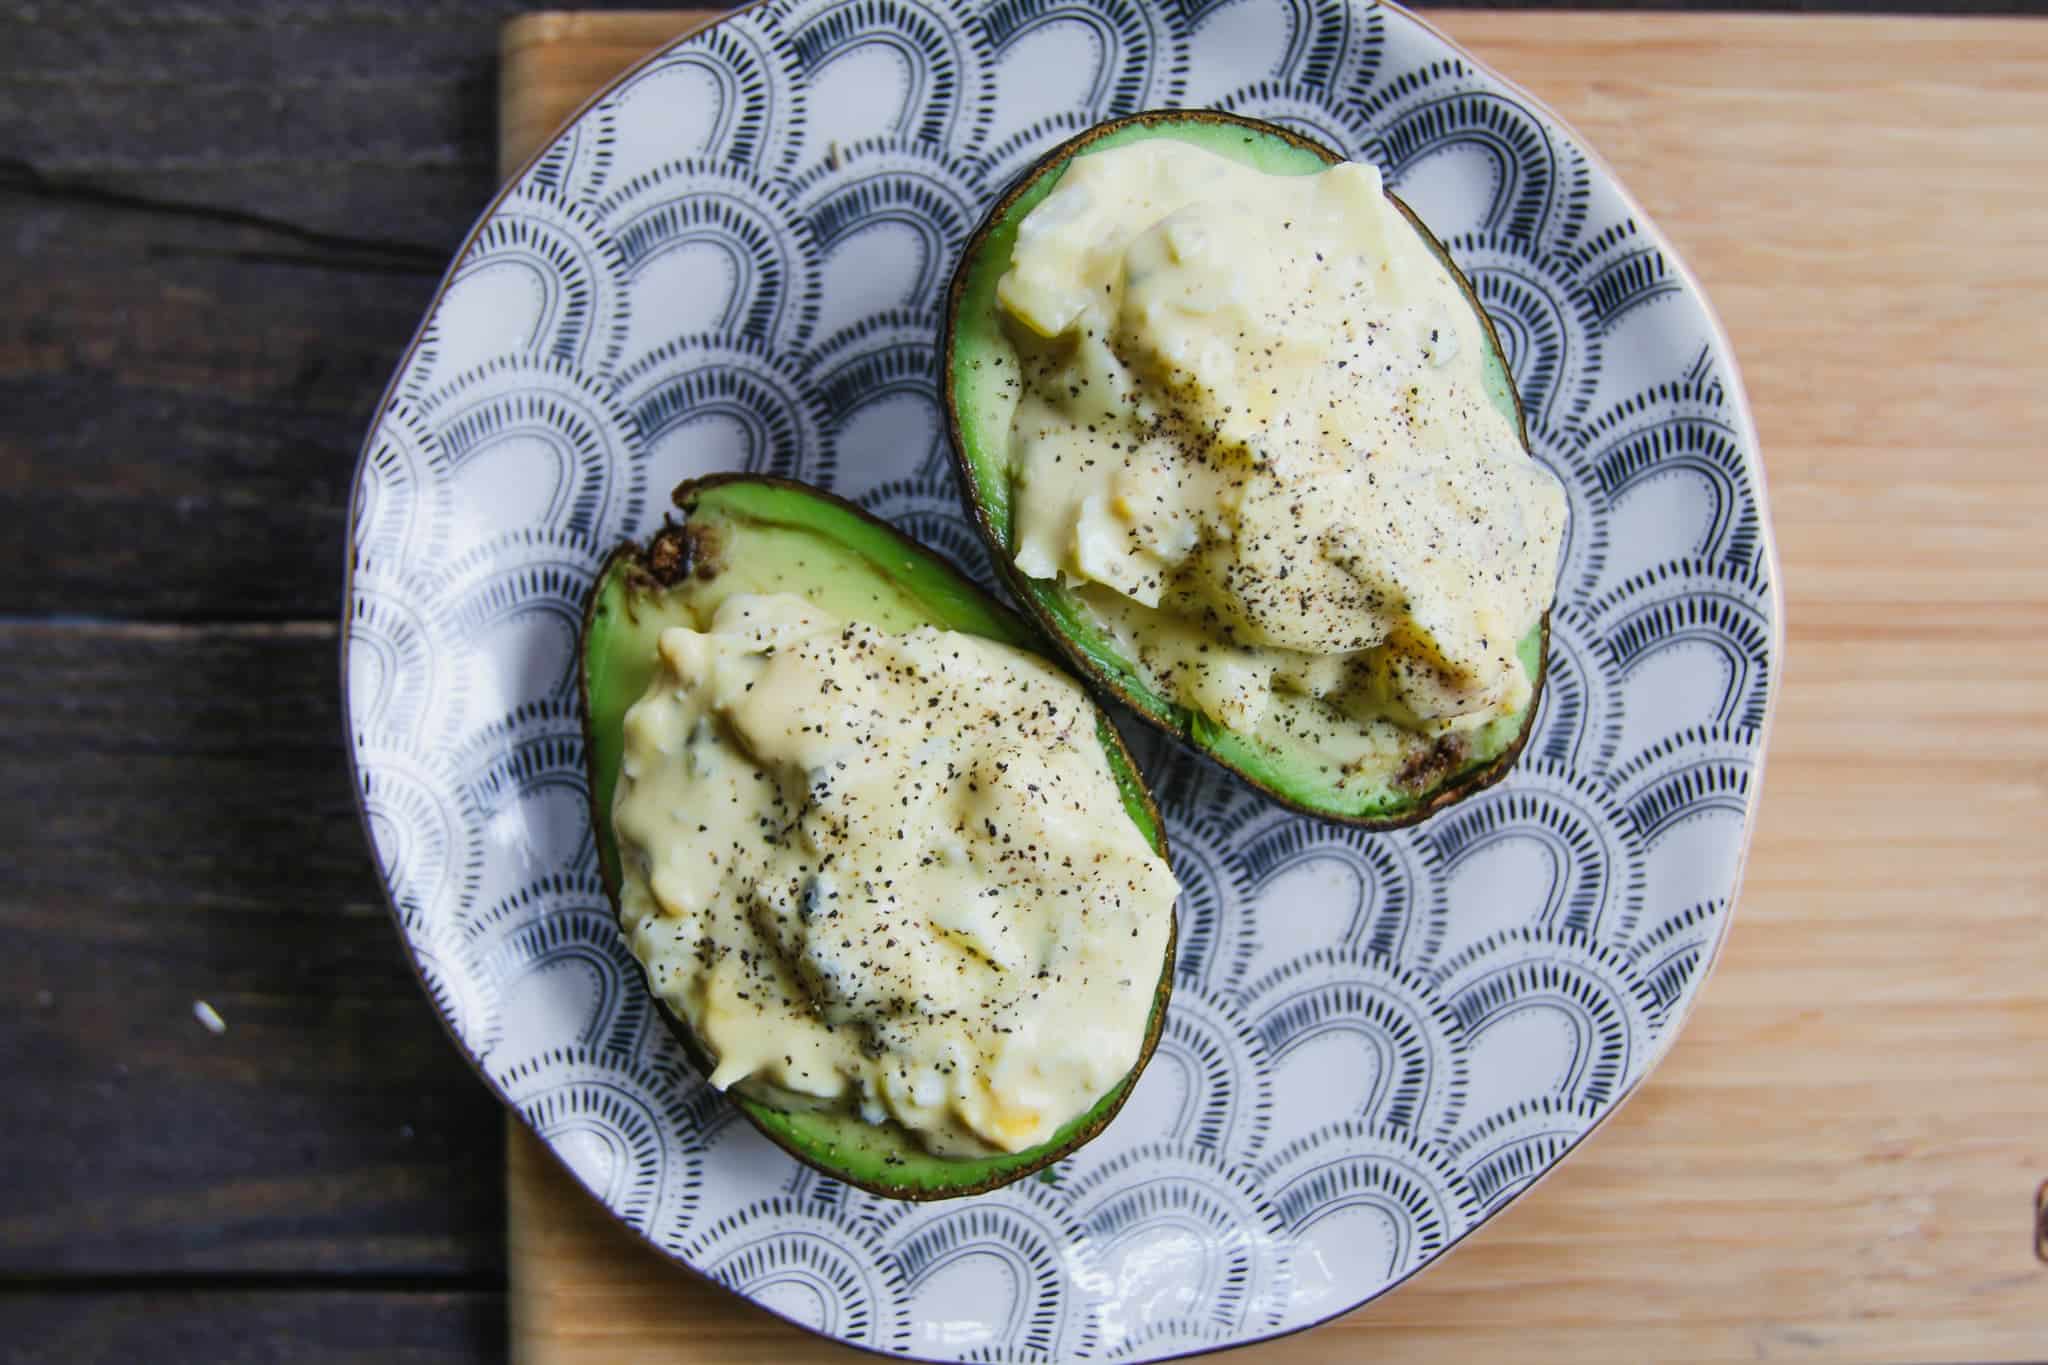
[[1717, 339]]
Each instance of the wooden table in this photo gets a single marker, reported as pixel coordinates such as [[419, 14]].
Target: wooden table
[[221, 225]]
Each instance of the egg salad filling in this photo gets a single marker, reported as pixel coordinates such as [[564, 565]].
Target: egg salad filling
[[1254, 437], [888, 873]]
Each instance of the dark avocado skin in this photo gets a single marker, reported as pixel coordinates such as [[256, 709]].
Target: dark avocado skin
[[1444, 780], [641, 587]]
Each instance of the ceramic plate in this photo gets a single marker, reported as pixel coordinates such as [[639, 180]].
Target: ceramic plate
[[733, 260]]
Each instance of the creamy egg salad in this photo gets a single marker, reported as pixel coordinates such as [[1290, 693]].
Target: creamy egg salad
[[889, 873], [1254, 437]]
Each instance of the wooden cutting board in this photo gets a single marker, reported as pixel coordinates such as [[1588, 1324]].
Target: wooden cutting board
[[1840, 1159]]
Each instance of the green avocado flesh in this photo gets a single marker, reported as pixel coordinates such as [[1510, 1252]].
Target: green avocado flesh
[[758, 535], [982, 378]]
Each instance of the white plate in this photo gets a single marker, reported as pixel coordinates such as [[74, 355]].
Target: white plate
[[733, 260]]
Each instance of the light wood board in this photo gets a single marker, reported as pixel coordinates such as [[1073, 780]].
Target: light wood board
[[1839, 1160]]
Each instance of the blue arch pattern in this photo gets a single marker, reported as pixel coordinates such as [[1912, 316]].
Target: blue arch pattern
[[508, 462]]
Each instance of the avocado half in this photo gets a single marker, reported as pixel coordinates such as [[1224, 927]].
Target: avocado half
[[979, 360], [745, 533]]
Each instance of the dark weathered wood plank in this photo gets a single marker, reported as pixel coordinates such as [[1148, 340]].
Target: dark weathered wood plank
[[248, 1327], [331, 1127], [178, 767], [182, 395], [178, 827], [363, 117], [181, 402]]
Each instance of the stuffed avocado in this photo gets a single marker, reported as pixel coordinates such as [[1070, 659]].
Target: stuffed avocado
[[1242, 438], [763, 589]]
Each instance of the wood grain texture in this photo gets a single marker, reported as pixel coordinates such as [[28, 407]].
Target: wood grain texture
[[178, 827], [371, 117], [181, 400], [1838, 1160], [304, 1326], [151, 745]]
